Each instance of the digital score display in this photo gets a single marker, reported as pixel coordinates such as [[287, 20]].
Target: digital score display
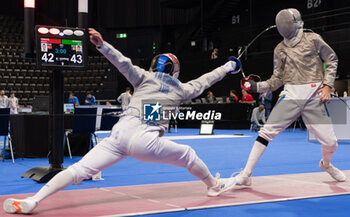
[[60, 47]]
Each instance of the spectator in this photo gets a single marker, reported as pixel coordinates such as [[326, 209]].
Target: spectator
[[73, 99], [215, 54], [265, 99], [258, 118], [345, 94], [90, 99], [246, 97], [233, 97], [4, 101], [108, 103], [210, 97], [13, 103], [124, 98]]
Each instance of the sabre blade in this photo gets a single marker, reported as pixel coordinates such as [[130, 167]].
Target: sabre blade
[[256, 37]]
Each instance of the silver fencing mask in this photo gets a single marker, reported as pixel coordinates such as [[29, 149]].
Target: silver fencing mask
[[290, 26]]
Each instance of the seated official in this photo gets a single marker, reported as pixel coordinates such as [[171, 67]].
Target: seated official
[[233, 97], [90, 99], [258, 118], [73, 99], [210, 97]]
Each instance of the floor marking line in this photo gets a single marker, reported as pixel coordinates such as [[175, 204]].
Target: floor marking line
[[227, 205], [269, 201], [154, 201], [114, 192], [146, 213], [136, 197], [173, 205], [308, 182]]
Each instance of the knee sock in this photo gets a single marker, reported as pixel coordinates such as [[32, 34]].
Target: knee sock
[[327, 153], [255, 154], [58, 182], [201, 171]]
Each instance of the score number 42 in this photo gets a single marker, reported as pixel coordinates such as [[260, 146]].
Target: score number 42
[[49, 58]]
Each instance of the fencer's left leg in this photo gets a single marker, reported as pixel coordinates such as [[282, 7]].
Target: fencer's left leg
[[282, 115], [150, 148], [103, 155], [318, 121]]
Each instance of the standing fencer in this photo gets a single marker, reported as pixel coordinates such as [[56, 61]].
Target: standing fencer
[[298, 65], [131, 137]]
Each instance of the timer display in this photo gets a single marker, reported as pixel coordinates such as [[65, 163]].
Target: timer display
[[60, 50]]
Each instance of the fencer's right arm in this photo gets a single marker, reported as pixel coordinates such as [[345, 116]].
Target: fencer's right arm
[[329, 58], [132, 73], [275, 81], [194, 88]]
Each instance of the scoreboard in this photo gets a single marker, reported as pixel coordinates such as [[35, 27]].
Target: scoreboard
[[60, 47]]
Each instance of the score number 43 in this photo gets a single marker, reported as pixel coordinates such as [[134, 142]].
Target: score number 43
[[49, 58]]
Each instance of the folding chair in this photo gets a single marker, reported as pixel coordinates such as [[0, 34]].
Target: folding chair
[[84, 122], [5, 132]]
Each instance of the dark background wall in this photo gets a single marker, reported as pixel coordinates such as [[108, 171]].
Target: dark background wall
[[171, 26]]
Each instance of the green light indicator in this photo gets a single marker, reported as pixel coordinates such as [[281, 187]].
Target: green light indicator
[[121, 35], [324, 66]]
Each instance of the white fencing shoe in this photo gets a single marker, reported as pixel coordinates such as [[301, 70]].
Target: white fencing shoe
[[243, 179], [19, 206], [222, 185], [333, 171]]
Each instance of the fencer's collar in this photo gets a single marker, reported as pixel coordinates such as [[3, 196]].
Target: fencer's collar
[[294, 40]]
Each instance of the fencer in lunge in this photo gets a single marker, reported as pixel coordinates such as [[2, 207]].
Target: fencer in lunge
[[131, 136], [298, 65]]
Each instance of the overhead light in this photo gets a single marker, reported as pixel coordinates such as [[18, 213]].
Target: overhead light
[[78, 33], [54, 31], [68, 32], [29, 3], [43, 30]]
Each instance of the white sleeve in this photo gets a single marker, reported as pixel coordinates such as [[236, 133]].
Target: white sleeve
[[132, 73], [196, 87], [329, 57]]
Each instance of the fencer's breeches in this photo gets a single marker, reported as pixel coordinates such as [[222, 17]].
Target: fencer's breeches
[[301, 100], [129, 138]]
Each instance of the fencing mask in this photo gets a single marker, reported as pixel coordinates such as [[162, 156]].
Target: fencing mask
[[290, 26], [166, 63]]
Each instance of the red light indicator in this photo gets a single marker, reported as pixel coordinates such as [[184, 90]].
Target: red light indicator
[[54, 31], [43, 30], [29, 3]]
